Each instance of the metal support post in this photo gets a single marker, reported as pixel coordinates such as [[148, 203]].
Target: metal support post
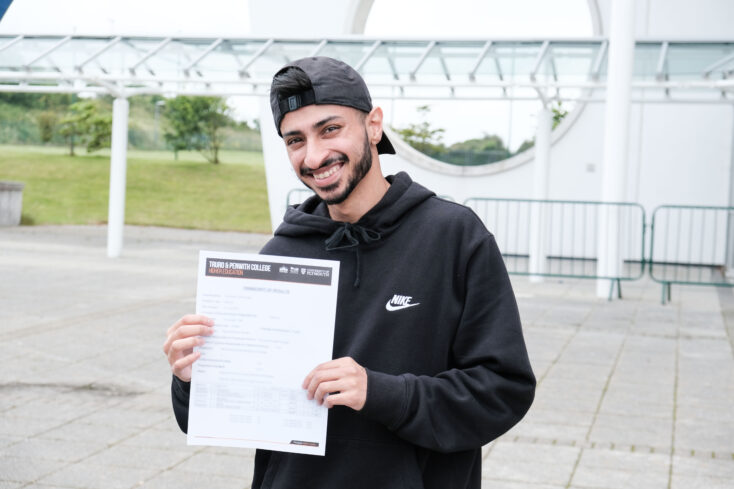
[[616, 139], [118, 173], [538, 219], [730, 218]]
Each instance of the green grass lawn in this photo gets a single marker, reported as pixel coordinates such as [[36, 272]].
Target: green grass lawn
[[188, 193]]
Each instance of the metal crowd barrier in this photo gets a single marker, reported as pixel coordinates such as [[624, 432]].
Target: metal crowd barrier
[[561, 238], [688, 246]]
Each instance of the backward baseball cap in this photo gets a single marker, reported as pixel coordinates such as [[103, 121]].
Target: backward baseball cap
[[333, 82]]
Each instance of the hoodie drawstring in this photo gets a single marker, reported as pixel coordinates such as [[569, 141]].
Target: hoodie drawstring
[[349, 236]]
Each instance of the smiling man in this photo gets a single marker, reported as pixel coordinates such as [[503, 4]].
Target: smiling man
[[429, 361]]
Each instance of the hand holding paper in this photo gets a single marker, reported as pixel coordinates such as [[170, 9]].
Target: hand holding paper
[[340, 382], [181, 338]]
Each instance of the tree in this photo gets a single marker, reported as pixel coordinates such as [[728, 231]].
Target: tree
[[477, 151], [488, 142], [46, 123], [196, 123], [527, 144], [423, 136], [99, 132], [84, 122], [73, 123], [558, 114]]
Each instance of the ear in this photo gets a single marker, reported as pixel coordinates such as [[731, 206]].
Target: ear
[[373, 123]]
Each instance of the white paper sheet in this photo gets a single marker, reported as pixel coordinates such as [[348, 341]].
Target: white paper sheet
[[274, 322]]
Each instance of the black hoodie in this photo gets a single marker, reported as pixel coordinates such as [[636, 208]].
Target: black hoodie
[[426, 306]]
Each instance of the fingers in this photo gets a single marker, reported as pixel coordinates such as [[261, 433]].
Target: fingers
[[181, 368], [181, 338], [183, 347], [190, 325], [191, 319], [338, 382], [331, 364]]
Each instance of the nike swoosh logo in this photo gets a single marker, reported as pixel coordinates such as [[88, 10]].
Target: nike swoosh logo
[[391, 308]]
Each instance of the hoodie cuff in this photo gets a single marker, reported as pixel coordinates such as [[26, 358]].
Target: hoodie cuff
[[181, 389], [386, 398]]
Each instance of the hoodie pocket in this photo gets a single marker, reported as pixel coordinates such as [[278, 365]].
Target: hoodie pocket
[[355, 464]]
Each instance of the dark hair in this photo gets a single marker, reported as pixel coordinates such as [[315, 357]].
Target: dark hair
[[289, 81]]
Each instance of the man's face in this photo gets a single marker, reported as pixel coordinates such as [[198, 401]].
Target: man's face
[[329, 149]]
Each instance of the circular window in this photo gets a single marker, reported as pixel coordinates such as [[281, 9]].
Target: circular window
[[494, 125]]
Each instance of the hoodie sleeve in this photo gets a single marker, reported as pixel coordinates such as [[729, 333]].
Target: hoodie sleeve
[[180, 398], [491, 386]]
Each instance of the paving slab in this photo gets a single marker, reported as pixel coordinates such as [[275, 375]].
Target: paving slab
[[606, 469], [631, 393]]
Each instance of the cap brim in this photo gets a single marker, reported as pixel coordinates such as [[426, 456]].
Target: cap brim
[[385, 146]]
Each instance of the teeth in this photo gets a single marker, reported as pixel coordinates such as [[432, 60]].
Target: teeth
[[321, 176]]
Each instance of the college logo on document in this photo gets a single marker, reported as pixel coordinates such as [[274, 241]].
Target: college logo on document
[[400, 302]]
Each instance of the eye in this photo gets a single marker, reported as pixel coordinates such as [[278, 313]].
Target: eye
[[331, 128], [292, 141]]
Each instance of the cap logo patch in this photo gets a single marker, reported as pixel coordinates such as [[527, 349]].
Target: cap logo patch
[[293, 102]]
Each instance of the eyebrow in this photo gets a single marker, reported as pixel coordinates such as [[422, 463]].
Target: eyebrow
[[316, 125]]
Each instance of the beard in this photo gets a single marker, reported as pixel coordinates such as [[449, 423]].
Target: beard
[[361, 167]]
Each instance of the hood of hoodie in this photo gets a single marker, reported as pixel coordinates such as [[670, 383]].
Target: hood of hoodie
[[312, 216]]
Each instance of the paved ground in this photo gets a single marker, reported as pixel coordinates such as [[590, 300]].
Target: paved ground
[[632, 394]]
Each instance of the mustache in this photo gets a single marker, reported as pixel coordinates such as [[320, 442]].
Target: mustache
[[341, 158]]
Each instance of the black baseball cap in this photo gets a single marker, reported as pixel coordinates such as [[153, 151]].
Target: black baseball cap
[[333, 83]]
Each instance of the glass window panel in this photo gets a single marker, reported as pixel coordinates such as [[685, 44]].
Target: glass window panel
[[222, 62], [173, 58], [689, 60], [393, 60], [279, 54], [516, 59], [398, 58], [118, 59], [646, 61], [456, 59], [349, 52], [25, 51], [569, 62], [460, 57]]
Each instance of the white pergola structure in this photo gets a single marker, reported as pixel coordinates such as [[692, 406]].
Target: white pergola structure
[[616, 71]]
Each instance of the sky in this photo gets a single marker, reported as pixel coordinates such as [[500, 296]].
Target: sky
[[513, 121]]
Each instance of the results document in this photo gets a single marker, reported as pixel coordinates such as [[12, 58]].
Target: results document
[[273, 323]]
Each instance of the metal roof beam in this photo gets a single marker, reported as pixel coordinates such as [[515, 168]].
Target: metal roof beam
[[12, 42], [423, 57], [243, 69], [47, 52], [444, 67], [478, 61], [539, 59], [717, 64], [499, 68], [150, 53], [98, 53], [660, 71], [596, 67], [203, 55], [367, 55], [318, 48], [394, 70]]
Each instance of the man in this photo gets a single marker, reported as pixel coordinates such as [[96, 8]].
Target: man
[[429, 358]]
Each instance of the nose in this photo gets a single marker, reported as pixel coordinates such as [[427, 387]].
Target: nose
[[316, 153]]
